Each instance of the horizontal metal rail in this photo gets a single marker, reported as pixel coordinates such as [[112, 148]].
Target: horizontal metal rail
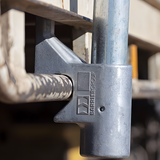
[[15, 84]]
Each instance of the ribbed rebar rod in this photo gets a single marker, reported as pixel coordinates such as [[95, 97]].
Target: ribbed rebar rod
[[110, 31], [15, 84]]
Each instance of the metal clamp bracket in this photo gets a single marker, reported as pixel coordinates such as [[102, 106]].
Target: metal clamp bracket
[[101, 99]]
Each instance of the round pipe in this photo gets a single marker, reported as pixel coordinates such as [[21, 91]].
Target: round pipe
[[110, 31]]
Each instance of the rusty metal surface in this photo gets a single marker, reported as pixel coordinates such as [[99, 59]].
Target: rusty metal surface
[[15, 84]]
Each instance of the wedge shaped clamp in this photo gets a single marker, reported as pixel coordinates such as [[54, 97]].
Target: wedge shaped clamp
[[101, 99]]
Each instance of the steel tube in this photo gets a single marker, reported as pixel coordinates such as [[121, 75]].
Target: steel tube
[[110, 31], [100, 31], [110, 137]]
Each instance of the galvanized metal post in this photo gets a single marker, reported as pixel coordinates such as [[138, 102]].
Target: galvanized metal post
[[111, 136], [110, 31], [100, 31], [118, 32]]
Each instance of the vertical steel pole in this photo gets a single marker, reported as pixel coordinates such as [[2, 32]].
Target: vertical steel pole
[[110, 31], [109, 46], [100, 31]]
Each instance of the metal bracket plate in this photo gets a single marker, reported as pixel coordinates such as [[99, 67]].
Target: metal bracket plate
[[101, 100]]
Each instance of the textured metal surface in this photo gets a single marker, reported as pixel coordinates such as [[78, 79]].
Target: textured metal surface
[[110, 31], [33, 88], [101, 102], [15, 84]]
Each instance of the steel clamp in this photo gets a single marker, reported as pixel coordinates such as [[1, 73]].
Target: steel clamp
[[101, 99]]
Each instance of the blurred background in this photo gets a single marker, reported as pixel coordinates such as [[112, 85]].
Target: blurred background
[[27, 131]]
